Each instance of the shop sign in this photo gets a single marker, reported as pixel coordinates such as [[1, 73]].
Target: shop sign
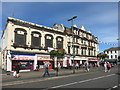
[[92, 59], [20, 57], [47, 57]]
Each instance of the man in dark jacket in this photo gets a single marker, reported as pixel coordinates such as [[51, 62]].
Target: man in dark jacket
[[17, 68]]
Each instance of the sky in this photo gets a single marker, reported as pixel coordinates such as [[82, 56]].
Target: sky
[[101, 18]]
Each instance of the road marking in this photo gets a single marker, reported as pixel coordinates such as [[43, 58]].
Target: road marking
[[83, 81], [115, 86], [31, 81]]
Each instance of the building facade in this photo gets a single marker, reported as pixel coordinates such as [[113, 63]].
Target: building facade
[[30, 44], [113, 53]]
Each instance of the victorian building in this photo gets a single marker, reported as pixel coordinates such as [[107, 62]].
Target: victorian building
[[30, 44]]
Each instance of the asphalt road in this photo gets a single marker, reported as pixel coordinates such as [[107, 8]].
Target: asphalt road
[[97, 79]]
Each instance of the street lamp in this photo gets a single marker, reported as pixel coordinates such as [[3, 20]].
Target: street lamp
[[73, 42]]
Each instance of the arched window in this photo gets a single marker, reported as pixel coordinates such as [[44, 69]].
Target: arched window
[[35, 40], [48, 41], [20, 36], [59, 41]]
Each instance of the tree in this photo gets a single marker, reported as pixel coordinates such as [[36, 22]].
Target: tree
[[102, 56]]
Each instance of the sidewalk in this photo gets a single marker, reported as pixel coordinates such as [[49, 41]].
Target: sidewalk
[[38, 74]]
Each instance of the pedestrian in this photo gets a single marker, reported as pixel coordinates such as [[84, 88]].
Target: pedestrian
[[108, 66], [77, 65], [46, 69], [86, 67], [17, 69], [105, 66]]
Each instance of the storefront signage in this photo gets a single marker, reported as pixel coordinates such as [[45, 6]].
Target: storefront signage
[[92, 59], [20, 57], [44, 57]]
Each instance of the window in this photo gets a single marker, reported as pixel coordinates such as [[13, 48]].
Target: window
[[89, 52], [69, 49], [48, 40], [59, 42], [20, 36], [111, 51], [115, 56], [85, 51], [111, 56], [81, 40], [77, 50], [107, 52], [36, 39], [115, 51], [94, 53], [81, 51], [89, 43]]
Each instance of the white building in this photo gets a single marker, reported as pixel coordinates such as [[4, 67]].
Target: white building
[[113, 53]]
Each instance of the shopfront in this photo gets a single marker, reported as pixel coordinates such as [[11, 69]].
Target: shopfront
[[42, 59], [92, 61], [26, 61]]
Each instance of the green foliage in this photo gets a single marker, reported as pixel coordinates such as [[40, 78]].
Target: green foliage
[[59, 53], [102, 56]]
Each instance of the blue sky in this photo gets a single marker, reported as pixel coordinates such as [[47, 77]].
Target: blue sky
[[101, 18]]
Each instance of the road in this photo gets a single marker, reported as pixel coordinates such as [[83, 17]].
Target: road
[[97, 79]]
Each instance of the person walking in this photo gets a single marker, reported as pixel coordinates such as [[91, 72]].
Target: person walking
[[46, 69], [17, 69], [108, 67], [77, 65], [86, 67], [105, 66]]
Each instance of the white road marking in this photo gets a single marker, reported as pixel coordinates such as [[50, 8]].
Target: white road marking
[[83, 81], [115, 86]]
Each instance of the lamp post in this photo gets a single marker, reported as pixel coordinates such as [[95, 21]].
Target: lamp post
[[73, 42]]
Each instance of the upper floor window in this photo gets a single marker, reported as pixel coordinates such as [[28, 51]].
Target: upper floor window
[[81, 40], [48, 40], [89, 43], [81, 51], [111, 56], [36, 39], [20, 36], [69, 49], [115, 51], [107, 52], [59, 42], [111, 51]]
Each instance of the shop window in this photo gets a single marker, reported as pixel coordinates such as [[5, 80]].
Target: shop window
[[59, 41], [20, 36], [36, 39], [48, 40]]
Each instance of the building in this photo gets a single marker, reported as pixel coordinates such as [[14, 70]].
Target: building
[[113, 53], [30, 44]]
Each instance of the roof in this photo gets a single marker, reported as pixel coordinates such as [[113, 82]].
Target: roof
[[112, 49]]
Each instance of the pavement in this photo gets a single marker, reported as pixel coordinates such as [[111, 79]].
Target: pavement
[[95, 78], [38, 74]]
